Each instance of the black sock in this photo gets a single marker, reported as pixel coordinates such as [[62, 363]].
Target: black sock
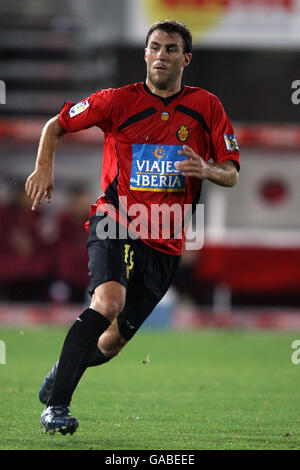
[[74, 359], [97, 357]]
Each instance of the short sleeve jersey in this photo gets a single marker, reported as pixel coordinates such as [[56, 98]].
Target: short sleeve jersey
[[142, 136]]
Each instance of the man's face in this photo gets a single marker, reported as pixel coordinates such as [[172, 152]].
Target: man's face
[[165, 59]]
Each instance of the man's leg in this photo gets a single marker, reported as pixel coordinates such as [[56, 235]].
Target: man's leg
[[106, 348], [107, 302]]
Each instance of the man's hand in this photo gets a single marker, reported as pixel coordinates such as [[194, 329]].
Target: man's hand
[[40, 184], [195, 166], [223, 174]]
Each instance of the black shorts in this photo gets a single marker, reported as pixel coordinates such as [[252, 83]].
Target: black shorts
[[144, 272]]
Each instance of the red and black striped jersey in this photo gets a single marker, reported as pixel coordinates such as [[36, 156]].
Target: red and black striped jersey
[[142, 136]]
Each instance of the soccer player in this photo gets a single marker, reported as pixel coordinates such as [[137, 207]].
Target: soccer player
[[162, 139]]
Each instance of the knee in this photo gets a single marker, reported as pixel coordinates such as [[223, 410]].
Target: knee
[[109, 299], [108, 306]]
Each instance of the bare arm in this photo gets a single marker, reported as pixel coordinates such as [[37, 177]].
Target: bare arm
[[223, 174], [40, 182]]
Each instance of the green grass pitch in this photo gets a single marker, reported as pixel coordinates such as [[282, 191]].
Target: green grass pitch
[[166, 391]]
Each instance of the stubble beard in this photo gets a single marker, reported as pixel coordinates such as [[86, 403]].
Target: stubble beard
[[163, 83], [160, 83]]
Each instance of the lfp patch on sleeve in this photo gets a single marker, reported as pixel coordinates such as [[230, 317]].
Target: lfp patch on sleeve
[[78, 108], [231, 143], [153, 168]]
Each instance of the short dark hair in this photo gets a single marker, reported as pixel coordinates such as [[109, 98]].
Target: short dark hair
[[173, 26]]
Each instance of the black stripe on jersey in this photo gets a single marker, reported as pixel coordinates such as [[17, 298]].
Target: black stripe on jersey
[[138, 117], [194, 114], [190, 214], [111, 192]]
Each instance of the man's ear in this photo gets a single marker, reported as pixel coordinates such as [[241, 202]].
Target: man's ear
[[187, 59], [145, 54]]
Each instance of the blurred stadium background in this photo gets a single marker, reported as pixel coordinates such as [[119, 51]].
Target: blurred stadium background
[[247, 53]]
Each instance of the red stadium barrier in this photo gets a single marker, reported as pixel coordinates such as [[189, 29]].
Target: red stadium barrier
[[250, 268], [185, 317], [250, 319], [285, 136], [29, 131]]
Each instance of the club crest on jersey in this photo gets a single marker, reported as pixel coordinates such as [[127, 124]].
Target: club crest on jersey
[[78, 108], [231, 143], [164, 115], [182, 133], [153, 168]]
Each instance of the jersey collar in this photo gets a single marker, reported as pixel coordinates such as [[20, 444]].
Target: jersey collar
[[167, 100]]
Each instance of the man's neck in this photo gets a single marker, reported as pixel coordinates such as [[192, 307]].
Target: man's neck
[[163, 93]]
